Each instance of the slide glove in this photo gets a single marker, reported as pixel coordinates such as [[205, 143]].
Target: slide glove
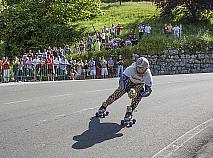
[[145, 92], [122, 82]]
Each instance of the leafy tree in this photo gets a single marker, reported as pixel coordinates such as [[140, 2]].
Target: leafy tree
[[192, 9], [27, 24]]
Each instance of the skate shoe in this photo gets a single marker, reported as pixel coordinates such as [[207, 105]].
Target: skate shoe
[[128, 115], [128, 121], [102, 111]]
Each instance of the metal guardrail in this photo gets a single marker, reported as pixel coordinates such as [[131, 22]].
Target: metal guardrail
[[41, 72]]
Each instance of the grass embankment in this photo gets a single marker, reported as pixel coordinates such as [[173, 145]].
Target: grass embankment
[[195, 37]]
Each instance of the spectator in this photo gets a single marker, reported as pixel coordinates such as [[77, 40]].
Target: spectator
[[29, 63], [42, 68], [128, 42], [104, 70], [98, 68], [103, 37], [89, 42], [110, 64], [34, 65], [45, 53], [6, 69], [120, 63], [67, 49], [119, 29], [92, 68], [12, 71], [16, 69], [82, 46], [85, 70], [148, 29], [107, 46], [141, 30], [112, 31], [79, 67], [61, 52], [176, 31], [76, 49], [98, 45], [134, 39], [55, 52], [170, 28], [105, 29], [63, 68], [56, 68], [165, 29], [73, 71], [50, 63], [1, 70], [49, 50]]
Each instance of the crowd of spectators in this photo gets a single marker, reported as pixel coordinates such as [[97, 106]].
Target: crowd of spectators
[[46, 66], [50, 64], [111, 38]]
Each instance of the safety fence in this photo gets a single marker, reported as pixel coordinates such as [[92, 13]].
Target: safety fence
[[44, 72]]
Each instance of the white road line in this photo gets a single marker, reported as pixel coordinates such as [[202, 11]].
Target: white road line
[[62, 95], [15, 102], [178, 143], [69, 94], [100, 90]]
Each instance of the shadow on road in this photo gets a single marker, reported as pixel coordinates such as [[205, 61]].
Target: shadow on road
[[97, 133]]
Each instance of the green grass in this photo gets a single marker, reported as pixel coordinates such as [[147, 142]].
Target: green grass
[[128, 14]]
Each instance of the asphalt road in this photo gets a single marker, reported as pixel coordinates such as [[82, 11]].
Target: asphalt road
[[55, 119]]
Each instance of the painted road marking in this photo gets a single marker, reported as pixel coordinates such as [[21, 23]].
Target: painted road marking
[[15, 102], [178, 143]]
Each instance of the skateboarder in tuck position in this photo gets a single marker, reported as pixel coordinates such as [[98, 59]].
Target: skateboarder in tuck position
[[136, 80]]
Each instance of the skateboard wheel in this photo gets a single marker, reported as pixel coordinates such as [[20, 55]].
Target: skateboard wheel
[[107, 113], [96, 114], [133, 121], [122, 122]]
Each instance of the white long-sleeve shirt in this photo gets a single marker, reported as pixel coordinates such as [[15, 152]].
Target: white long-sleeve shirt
[[131, 72]]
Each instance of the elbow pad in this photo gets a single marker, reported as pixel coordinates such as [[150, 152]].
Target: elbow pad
[[146, 92]]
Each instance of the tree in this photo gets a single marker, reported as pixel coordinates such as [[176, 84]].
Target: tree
[[192, 9], [27, 24]]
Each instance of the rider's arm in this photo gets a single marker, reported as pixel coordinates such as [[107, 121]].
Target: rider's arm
[[146, 91], [122, 82]]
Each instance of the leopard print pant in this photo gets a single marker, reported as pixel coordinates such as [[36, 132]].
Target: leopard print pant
[[120, 92]]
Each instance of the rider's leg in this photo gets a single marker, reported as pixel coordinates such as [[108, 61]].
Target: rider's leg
[[135, 101], [113, 97]]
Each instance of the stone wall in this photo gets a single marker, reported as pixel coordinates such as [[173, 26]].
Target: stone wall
[[170, 63]]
